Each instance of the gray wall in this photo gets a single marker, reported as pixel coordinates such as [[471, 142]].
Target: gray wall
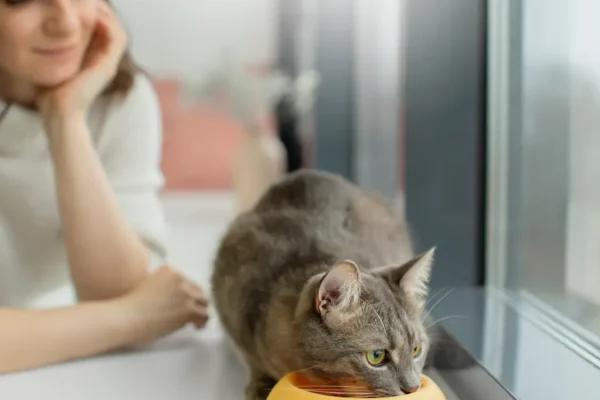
[[288, 12], [445, 134], [335, 103]]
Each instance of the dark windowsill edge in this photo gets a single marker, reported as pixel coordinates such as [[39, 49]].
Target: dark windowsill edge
[[466, 379], [486, 338]]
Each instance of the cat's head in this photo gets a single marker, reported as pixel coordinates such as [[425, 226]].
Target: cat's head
[[364, 328]]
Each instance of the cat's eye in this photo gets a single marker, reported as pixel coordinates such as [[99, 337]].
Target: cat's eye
[[417, 351], [377, 357]]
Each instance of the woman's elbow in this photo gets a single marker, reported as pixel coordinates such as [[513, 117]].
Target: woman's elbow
[[130, 274]]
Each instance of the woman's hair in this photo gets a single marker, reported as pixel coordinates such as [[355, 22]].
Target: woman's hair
[[125, 77]]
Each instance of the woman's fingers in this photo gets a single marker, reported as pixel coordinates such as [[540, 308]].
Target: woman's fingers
[[98, 47], [112, 33], [196, 293], [198, 303], [108, 15], [200, 315]]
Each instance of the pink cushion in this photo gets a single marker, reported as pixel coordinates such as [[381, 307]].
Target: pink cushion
[[169, 95], [199, 142], [199, 148]]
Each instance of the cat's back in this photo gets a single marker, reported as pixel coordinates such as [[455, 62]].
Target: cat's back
[[311, 191], [286, 224], [311, 216], [305, 222]]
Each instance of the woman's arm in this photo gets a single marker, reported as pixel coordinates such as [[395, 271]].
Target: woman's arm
[[106, 253], [107, 258], [161, 304], [32, 339]]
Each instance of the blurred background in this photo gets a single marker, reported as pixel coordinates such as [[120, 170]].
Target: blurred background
[[478, 119]]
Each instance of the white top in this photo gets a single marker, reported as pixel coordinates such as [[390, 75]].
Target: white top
[[128, 137]]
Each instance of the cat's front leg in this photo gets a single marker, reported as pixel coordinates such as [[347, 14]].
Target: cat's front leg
[[259, 387]]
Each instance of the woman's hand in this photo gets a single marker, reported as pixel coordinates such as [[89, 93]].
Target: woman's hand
[[74, 97], [163, 303]]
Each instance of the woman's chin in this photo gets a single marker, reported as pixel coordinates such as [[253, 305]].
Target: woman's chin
[[52, 79]]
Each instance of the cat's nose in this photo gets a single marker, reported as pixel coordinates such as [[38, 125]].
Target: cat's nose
[[410, 390]]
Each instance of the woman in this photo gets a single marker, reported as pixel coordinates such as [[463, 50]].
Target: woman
[[79, 173]]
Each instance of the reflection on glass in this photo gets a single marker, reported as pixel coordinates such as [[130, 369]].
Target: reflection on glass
[[553, 228]]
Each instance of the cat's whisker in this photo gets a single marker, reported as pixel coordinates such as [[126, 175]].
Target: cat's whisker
[[437, 303], [445, 293], [433, 297], [435, 341], [306, 369], [373, 325], [437, 334], [446, 318], [378, 316]]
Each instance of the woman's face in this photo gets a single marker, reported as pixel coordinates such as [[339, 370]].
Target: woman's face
[[43, 42]]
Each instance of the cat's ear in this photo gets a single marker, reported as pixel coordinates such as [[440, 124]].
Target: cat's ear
[[340, 289], [412, 277]]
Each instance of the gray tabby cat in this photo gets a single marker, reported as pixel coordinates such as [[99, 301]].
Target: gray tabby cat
[[320, 277]]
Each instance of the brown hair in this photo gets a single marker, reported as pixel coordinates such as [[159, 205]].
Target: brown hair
[[125, 77]]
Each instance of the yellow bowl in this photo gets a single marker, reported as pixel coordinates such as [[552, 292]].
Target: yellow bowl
[[287, 389]]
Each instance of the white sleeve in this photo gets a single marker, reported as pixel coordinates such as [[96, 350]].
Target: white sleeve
[[130, 145]]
